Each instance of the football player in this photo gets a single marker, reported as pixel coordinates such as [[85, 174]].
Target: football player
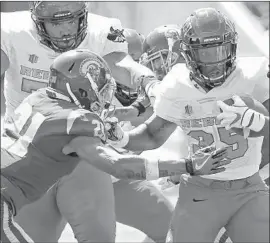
[[80, 88], [29, 43], [161, 51], [237, 198]]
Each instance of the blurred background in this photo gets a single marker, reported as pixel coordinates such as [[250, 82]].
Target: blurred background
[[251, 18]]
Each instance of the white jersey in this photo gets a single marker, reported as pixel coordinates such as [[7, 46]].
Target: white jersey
[[30, 60], [195, 111]]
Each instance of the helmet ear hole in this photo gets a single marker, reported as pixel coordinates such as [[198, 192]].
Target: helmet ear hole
[[83, 93]]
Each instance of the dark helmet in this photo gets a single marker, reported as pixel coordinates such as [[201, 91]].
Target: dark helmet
[[161, 49], [209, 41], [84, 77], [59, 12]]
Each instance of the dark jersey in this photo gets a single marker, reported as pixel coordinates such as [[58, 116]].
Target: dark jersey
[[31, 157]]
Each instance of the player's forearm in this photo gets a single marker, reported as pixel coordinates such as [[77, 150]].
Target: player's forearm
[[128, 113], [135, 70], [140, 139], [133, 167]]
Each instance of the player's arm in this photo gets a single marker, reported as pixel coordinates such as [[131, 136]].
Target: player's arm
[[4, 62], [265, 130], [139, 111], [115, 52], [132, 114], [6, 44], [153, 133], [122, 166], [125, 70]]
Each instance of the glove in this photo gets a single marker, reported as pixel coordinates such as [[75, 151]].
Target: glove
[[145, 81], [240, 116], [207, 161], [115, 134], [142, 102]]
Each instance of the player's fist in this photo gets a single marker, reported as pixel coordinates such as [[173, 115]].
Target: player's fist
[[206, 161]]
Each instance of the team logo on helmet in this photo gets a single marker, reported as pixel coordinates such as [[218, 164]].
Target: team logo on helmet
[[93, 66]]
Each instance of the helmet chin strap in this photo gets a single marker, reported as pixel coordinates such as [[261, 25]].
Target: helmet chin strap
[[73, 96], [93, 85]]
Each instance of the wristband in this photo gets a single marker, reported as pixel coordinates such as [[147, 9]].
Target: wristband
[[189, 166], [151, 169], [256, 124], [138, 105]]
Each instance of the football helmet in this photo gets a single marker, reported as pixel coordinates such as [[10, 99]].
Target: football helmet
[[135, 41], [124, 94], [161, 49], [209, 42], [85, 78], [59, 12]]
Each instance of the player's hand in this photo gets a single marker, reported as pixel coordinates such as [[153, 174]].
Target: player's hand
[[239, 115], [146, 81], [142, 102], [207, 161], [115, 133]]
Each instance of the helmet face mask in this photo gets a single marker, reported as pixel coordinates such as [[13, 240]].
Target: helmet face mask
[[209, 43], [160, 62], [61, 25], [85, 78], [162, 50]]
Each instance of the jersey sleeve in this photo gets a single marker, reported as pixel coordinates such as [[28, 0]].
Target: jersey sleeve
[[115, 40], [261, 89]]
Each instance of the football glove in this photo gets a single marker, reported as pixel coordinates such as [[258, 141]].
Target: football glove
[[207, 161], [240, 116]]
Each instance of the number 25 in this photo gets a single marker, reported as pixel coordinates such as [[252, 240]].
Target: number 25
[[238, 145]]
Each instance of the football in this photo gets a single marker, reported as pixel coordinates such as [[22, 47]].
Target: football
[[252, 104]]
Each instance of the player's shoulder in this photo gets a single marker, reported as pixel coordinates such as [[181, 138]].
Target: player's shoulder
[[101, 24], [252, 67], [16, 22], [105, 35], [176, 83]]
